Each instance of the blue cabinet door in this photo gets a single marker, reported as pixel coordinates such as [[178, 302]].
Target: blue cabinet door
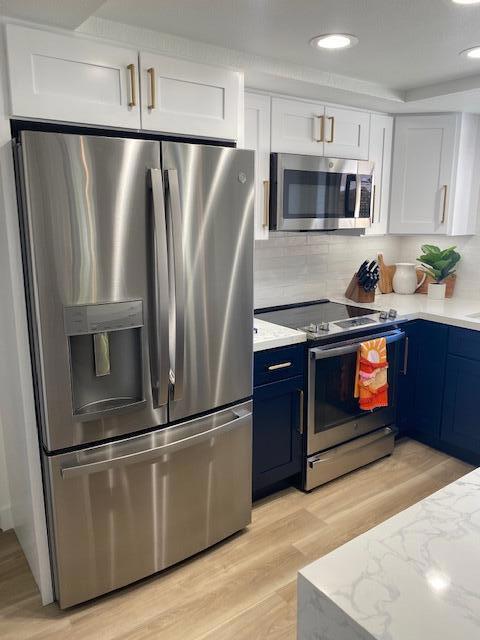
[[421, 389], [461, 422], [277, 423]]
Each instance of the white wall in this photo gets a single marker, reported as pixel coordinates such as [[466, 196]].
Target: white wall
[[293, 267]]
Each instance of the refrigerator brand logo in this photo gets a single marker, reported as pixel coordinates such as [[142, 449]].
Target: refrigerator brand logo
[[242, 177]]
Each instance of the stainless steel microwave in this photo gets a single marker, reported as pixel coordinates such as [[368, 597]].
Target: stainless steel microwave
[[309, 193]]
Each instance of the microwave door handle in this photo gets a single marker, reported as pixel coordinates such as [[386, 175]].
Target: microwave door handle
[[159, 317], [349, 213], [328, 352], [358, 197], [175, 222]]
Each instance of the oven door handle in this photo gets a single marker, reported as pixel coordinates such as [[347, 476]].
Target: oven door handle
[[320, 353]]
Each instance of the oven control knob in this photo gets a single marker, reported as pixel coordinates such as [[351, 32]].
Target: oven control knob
[[383, 315], [324, 326], [392, 314]]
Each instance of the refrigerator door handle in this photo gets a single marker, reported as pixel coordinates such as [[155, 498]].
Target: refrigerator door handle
[[175, 221], [228, 421], [159, 326]]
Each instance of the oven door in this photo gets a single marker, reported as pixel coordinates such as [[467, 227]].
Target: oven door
[[318, 194], [334, 414]]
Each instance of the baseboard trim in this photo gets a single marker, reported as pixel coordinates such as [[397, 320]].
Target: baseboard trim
[[6, 520]]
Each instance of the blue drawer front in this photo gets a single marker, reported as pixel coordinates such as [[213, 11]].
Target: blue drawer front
[[278, 364]]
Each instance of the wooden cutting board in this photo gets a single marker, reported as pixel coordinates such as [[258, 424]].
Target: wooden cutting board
[[386, 275]]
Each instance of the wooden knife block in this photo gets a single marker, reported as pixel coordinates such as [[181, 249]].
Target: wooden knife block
[[357, 293]]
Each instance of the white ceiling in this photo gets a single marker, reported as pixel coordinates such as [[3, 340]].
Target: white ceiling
[[404, 44], [59, 13], [407, 47]]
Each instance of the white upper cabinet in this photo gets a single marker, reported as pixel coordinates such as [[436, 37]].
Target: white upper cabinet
[[71, 79], [433, 176], [297, 127], [257, 137], [381, 139], [346, 133], [187, 98], [315, 129]]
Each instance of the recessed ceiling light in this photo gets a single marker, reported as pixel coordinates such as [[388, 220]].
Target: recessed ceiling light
[[466, 1], [473, 52], [334, 41]]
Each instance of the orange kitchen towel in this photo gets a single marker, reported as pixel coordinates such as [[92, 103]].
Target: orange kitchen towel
[[371, 382]]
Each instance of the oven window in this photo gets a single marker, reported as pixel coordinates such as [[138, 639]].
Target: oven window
[[334, 389], [318, 194]]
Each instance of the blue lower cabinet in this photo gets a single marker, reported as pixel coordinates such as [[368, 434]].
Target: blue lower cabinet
[[277, 441], [461, 422], [421, 389]]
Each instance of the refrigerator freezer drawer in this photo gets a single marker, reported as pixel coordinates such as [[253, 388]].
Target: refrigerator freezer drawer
[[335, 462], [128, 509]]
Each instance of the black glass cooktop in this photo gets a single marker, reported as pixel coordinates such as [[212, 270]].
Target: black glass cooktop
[[296, 316]]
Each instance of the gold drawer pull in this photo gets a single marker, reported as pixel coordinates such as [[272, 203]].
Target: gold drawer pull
[[282, 365]]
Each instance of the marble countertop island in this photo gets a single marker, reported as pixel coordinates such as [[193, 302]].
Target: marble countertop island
[[414, 577]]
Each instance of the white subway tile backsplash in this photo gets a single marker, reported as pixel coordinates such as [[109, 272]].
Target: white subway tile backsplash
[[301, 267]]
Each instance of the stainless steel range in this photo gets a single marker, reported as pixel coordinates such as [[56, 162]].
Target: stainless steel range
[[340, 436]]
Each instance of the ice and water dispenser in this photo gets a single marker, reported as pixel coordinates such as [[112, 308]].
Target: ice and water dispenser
[[106, 360]]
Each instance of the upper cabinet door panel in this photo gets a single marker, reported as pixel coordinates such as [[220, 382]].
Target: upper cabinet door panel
[[346, 133], [71, 79], [422, 174], [188, 98], [297, 127], [257, 137], [380, 153]]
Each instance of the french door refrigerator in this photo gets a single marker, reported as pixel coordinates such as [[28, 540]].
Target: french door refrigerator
[[139, 263]]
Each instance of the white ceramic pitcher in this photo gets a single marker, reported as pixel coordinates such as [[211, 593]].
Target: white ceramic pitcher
[[405, 278]]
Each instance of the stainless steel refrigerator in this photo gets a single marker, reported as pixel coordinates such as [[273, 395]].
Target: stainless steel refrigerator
[[139, 263]]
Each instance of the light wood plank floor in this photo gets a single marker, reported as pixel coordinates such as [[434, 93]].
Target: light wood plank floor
[[244, 588]]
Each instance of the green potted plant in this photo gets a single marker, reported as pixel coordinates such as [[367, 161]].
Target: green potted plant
[[439, 265]]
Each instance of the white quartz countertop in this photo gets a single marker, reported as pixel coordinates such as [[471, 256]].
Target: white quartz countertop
[[414, 577], [458, 312], [453, 311], [270, 336]]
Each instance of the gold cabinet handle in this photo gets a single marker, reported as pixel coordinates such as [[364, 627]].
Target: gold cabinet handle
[[445, 198], [373, 202], [133, 85], [266, 202], [321, 128], [153, 90], [332, 134]]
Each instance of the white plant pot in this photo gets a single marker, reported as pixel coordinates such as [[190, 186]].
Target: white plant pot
[[436, 291]]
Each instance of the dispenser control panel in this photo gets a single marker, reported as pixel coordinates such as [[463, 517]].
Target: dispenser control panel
[[98, 318]]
